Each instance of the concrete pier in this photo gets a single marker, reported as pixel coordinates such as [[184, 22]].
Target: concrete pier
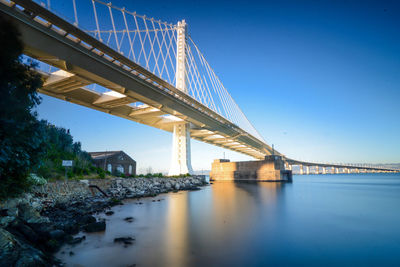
[[301, 170], [316, 169], [270, 169]]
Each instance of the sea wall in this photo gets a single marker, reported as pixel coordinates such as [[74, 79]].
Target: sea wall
[[62, 191]]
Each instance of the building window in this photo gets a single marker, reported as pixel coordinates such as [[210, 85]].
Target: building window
[[130, 169], [120, 168], [109, 167]]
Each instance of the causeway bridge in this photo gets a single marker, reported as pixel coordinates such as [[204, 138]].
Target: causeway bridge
[[107, 58]]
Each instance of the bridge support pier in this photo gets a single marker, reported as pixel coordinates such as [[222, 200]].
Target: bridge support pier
[[307, 170], [288, 166], [323, 170], [270, 169], [181, 163], [301, 171], [316, 169]]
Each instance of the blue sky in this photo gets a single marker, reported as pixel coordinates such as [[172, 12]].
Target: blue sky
[[318, 79]]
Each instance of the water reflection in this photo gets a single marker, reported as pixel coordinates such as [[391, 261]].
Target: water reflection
[[176, 231], [316, 221]]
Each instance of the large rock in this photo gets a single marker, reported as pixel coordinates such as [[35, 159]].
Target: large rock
[[87, 219], [42, 229], [76, 240], [19, 226], [9, 251], [30, 215], [15, 253], [95, 227], [177, 186], [57, 234], [70, 227], [125, 240], [6, 221], [168, 186]]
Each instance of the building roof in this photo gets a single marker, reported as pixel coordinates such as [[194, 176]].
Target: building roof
[[103, 154], [108, 154]]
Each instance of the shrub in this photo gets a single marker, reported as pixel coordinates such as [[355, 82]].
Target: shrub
[[36, 180], [101, 173], [21, 135]]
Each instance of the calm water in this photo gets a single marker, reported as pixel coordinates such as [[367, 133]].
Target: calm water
[[318, 220]]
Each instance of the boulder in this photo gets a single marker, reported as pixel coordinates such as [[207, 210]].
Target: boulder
[[20, 227], [86, 219], [9, 248], [168, 186], [71, 228], [30, 215], [6, 221], [128, 219], [42, 229], [15, 253], [194, 188], [95, 227], [125, 240], [53, 245], [76, 240], [57, 234]]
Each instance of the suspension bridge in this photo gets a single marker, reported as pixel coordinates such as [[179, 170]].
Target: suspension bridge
[[116, 61]]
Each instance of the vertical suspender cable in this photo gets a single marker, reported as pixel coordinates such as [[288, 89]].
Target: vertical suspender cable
[[97, 21], [129, 36], [113, 25], [75, 13], [141, 42], [163, 41]]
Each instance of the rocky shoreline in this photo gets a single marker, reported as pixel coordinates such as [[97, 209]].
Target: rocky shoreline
[[34, 226]]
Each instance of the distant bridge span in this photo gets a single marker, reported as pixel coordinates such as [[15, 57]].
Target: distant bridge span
[[334, 168], [136, 90]]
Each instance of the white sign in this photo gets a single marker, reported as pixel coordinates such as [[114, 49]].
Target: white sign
[[67, 163]]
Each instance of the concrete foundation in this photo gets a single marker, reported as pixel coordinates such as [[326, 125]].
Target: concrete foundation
[[270, 169]]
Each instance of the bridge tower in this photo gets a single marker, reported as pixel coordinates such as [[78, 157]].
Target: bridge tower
[[181, 163]]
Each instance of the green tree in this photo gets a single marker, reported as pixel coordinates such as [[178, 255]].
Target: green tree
[[21, 141], [61, 146]]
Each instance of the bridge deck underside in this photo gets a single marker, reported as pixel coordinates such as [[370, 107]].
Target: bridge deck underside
[[68, 89], [87, 61]]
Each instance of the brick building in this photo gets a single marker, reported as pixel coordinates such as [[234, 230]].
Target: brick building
[[114, 162]]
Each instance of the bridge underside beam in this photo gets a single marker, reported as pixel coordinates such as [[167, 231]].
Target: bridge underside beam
[[118, 104]]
